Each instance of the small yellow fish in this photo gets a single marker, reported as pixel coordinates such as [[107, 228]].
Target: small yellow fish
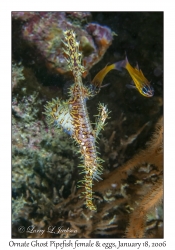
[[98, 79], [141, 83]]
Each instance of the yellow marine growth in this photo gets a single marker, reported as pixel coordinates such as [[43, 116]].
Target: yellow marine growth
[[72, 116]]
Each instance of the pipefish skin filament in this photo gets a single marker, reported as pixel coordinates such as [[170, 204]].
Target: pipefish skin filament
[[72, 116]]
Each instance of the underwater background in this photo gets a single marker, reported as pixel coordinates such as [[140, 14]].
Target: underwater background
[[45, 159]]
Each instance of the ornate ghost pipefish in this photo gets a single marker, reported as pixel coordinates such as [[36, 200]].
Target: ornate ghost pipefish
[[72, 116]]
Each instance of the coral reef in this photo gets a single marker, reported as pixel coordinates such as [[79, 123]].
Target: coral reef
[[128, 199], [44, 160], [44, 32], [17, 74]]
